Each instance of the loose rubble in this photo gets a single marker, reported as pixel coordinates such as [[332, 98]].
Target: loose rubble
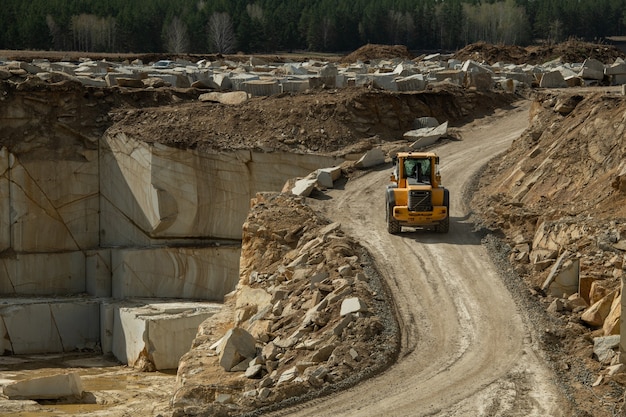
[[309, 315], [556, 197]]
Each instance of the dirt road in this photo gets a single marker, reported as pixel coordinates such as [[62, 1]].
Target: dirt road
[[465, 347]]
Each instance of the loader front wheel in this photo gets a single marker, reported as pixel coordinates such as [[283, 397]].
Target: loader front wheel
[[393, 226], [444, 226]]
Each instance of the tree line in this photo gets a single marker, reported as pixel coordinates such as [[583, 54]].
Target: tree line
[[227, 26]]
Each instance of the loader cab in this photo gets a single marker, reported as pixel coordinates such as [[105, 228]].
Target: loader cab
[[416, 169]]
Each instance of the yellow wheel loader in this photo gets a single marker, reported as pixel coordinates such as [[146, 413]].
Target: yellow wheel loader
[[415, 197]]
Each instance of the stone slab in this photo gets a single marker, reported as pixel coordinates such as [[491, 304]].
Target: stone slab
[[40, 325], [414, 82], [294, 85], [260, 88], [45, 388], [426, 136], [160, 332], [552, 79], [327, 176]]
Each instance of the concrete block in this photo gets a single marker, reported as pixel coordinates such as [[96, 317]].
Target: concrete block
[[78, 324], [177, 80], [5, 342], [294, 85], [615, 69], [385, 81], [129, 82], [426, 136], [261, 88], [361, 80], [411, 83], [304, 187], [45, 388], [328, 75], [592, 69], [371, 158], [237, 80], [92, 82], [552, 79], [294, 69], [206, 273], [325, 177], [158, 332], [62, 325], [481, 81], [574, 81]]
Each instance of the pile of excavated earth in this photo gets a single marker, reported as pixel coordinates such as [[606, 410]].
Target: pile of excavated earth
[[310, 314]]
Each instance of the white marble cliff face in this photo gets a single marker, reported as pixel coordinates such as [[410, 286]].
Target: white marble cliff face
[[112, 221], [52, 205], [183, 193]]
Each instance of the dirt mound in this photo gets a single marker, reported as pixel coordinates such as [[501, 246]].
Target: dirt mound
[[570, 51], [326, 121], [372, 51]]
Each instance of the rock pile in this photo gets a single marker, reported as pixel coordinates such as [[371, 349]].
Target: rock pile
[[261, 77], [556, 194], [309, 314]]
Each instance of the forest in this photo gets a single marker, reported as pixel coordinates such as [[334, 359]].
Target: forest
[[229, 26]]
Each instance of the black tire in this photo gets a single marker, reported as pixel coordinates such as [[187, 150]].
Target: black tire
[[393, 226], [444, 225]]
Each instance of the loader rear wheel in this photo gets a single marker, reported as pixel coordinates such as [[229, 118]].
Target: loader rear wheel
[[393, 226]]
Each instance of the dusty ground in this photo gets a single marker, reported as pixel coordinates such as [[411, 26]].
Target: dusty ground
[[491, 343]]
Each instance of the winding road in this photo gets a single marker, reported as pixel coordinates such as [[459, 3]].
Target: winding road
[[465, 347]]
